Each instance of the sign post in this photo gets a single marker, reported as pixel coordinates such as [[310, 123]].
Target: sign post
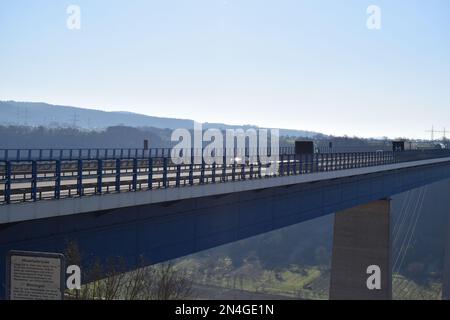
[[35, 276]]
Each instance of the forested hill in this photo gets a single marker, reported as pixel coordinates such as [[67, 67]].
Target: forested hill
[[22, 137], [47, 115], [42, 114]]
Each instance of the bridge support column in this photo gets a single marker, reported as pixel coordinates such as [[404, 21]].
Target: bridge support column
[[446, 270], [361, 240]]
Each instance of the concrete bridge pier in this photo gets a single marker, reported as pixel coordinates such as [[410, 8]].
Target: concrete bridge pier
[[446, 270], [361, 258]]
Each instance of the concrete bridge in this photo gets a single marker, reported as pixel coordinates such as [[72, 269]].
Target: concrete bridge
[[146, 209]]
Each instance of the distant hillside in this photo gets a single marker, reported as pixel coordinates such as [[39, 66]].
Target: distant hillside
[[53, 116], [22, 137], [42, 114]]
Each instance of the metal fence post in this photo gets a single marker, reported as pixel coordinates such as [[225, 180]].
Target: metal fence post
[[57, 179], [80, 178], [135, 174], [233, 170], [178, 175], [317, 161], [150, 173], [259, 168], [191, 169], [224, 166], [281, 165], [118, 173], [33, 180], [99, 175], [165, 184], [8, 182], [202, 172], [288, 164], [295, 164]]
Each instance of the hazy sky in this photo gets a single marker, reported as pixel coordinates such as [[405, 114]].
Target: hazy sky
[[310, 64]]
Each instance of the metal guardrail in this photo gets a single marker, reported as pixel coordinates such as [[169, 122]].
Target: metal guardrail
[[97, 153], [35, 180]]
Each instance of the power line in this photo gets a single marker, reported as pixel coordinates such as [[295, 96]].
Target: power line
[[433, 131], [75, 120]]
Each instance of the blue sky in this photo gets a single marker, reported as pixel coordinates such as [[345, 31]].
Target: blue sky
[[298, 64]]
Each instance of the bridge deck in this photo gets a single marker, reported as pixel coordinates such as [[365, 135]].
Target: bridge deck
[[34, 180]]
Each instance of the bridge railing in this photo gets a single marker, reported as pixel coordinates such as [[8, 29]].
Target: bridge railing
[[98, 153], [34, 180]]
